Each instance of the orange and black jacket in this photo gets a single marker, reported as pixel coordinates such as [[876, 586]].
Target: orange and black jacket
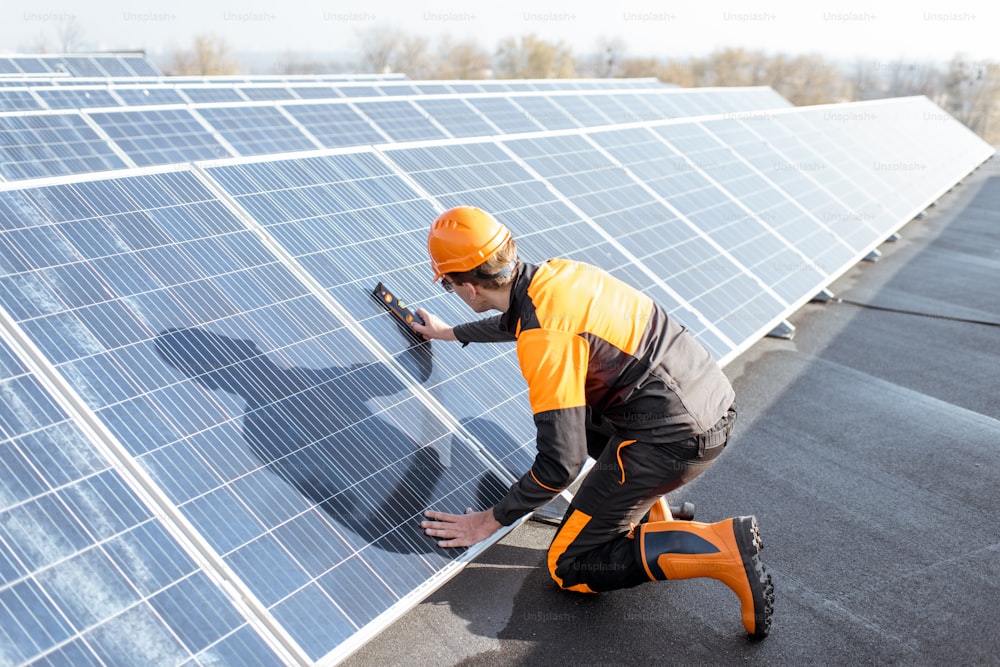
[[593, 348]]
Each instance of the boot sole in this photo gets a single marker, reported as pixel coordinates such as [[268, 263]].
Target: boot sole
[[749, 542]]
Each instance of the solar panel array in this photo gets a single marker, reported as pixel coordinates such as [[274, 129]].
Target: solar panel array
[[34, 144], [97, 65], [215, 446]]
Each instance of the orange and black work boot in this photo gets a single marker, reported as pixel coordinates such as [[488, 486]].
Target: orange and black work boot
[[727, 551]]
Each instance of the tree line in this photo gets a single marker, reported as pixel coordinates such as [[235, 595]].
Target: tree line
[[966, 88]]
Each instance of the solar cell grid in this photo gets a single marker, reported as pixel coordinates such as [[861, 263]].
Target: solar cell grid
[[134, 97], [318, 92], [30, 65], [679, 181], [77, 97], [211, 94], [504, 114], [52, 144], [253, 130], [798, 179], [115, 67], [896, 189], [13, 99], [864, 184], [84, 66], [336, 125], [401, 120], [544, 112], [364, 224], [613, 110], [577, 106], [793, 151], [764, 203], [457, 117], [86, 572], [266, 93], [210, 362], [162, 136]]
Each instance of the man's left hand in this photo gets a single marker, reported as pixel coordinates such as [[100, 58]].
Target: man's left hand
[[460, 530]]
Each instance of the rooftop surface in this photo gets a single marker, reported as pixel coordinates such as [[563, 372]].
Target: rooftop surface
[[867, 447]]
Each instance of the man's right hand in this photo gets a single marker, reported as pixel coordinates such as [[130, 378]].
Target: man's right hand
[[433, 328]]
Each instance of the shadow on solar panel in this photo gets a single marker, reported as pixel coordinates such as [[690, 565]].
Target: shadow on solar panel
[[292, 419]]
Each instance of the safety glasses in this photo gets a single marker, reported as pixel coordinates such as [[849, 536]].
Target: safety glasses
[[447, 286]]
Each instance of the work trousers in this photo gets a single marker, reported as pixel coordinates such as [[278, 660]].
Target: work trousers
[[593, 549]]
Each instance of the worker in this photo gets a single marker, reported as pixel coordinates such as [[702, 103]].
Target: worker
[[612, 376]]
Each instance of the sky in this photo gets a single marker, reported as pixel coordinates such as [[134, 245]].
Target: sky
[[846, 30]]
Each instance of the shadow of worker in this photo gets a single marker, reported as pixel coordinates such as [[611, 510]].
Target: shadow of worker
[[313, 429]]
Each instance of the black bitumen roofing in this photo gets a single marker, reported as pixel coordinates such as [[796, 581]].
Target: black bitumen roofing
[[867, 447]]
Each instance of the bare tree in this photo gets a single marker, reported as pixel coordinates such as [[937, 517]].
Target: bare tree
[[529, 57], [462, 60], [606, 60], [210, 54], [39, 43], [70, 35], [412, 57], [972, 95], [379, 48]]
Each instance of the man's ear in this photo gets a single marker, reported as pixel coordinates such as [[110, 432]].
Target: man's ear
[[473, 290]]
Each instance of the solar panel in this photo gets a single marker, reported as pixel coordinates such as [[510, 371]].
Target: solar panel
[[544, 112], [115, 67], [457, 117], [792, 221], [336, 125], [504, 114], [684, 184], [612, 110], [401, 120], [771, 208], [77, 97], [581, 110], [266, 93], [87, 572], [31, 65], [12, 99], [253, 130], [315, 92], [802, 177], [160, 136], [50, 145], [358, 90], [148, 96], [211, 94], [297, 454], [84, 66], [351, 222], [141, 66]]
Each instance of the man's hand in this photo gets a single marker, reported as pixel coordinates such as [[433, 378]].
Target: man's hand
[[433, 327], [460, 530]]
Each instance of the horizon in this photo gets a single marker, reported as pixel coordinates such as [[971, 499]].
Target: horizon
[[877, 33]]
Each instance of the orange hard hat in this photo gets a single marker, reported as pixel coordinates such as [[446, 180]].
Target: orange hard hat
[[462, 238]]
